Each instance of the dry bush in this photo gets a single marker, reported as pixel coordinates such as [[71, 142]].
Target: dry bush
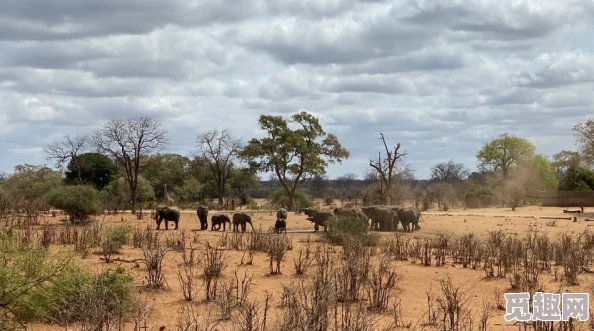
[[186, 272], [224, 299], [382, 282], [277, 248], [453, 311], [154, 254], [353, 317], [304, 259], [248, 316], [48, 234], [352, 271], [177, 241], [189, 320], [213, 265]]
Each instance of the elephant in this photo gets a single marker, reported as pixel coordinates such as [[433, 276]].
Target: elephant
[[319, 218], [241, 219], [202, 213], [217, 219], [407, 216], [167, 213], [382, 218], [281, 213], [280, 225]]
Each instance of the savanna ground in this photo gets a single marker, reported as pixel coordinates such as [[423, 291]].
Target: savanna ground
[[409, 300]]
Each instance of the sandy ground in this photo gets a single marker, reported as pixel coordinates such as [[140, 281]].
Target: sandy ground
[[415, 280]]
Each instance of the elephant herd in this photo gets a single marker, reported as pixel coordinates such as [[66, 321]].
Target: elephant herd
[[172, 214], [383, 218]]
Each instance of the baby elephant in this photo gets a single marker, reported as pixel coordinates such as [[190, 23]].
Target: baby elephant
[[217, 219], [241, 219], [280, 225]]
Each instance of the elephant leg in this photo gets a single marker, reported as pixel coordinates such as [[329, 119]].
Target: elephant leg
[[316, 227], [176, 225], [243, 226], [158, 224]]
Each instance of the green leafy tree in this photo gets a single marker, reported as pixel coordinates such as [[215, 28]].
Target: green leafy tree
[[79, 202], [503, 153], [191, 190], [294, 155], [241, 180], [167, 168], [116, 195], [28, 185], [546, 175], [91, 168], [577, 179], [280, 198]]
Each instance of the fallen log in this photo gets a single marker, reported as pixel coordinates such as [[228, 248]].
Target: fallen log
[[555, 218], [117, 259], [572, 211]]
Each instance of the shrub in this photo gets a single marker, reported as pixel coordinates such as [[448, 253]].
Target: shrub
[[113, 240], [24, 271], [280, 197], [343, 229], [79, 202]]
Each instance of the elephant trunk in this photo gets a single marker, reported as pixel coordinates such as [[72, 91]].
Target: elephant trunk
[[252, 226]]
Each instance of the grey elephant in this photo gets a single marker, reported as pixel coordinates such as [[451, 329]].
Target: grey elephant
[[280, 225], [167, 214], [202, 213], [217, 219], [319, 218], [241, 219], [408, 216], [382, 218]]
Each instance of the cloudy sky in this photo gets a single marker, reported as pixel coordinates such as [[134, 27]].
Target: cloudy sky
[[440, 77]]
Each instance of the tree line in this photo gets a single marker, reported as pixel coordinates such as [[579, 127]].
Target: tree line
[[122, 165]]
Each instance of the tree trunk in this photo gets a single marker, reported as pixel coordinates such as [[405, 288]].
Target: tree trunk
[[291, 202], [133, 195]]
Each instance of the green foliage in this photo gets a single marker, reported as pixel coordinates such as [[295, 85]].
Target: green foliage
[[79, 202], [242, 179], [503, 153], [190, 191], [24, 271], [167, 168], [546, 175], [280, 198], [294, 155], [91, 300], [478, 196], [116, 195], [114, 238], [95, 168], [577, 179], [29, 184], [564, 160], [348, 228]]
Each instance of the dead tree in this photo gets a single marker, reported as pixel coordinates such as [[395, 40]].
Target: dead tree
[[387, 169], [127, 141], [67, 151], [219, 149]]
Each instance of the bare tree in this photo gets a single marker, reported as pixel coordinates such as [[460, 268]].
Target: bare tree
[[127, 141], [344, 184], [219, 149], [449, 172], [389, 168], [67, 151]]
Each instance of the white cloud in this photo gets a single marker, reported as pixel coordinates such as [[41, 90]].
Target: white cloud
[[440, 77]]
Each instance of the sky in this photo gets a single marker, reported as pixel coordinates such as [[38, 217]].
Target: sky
[[439, 77]]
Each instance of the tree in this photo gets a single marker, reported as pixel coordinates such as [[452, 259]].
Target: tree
[[345, 183], [77, 201], [577, 179], [166, 168], [584, 136], [241, 180], [218, 149], [543, 168], [66, 152], [91, 168], [294, 155], [449, 172], [127, 141], [564, 160], [318, 184], [503, 153], [390, 168]]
